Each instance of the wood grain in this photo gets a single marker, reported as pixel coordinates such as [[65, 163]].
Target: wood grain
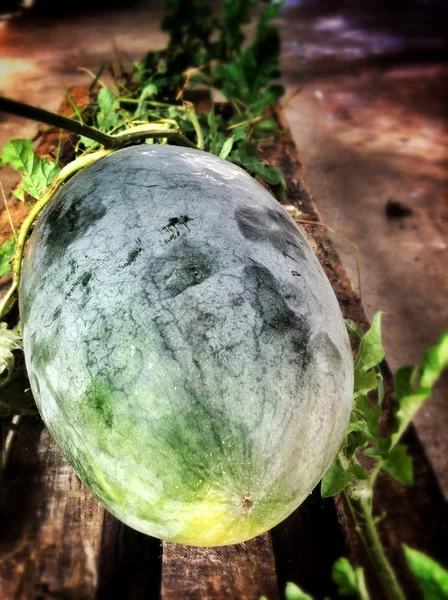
[[245, 571], [51, 525]]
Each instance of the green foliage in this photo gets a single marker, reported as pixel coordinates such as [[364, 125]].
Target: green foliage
[[350, 581], [190, 26], [293, 592], [431, 576], [212, 48], [246, 156], [37, 173], [248, 74], [108, 117], [337, 478], [6, 255], [413, 385], [364, 439], [370, 355], [399, 465], [209, 50], [364, 432]]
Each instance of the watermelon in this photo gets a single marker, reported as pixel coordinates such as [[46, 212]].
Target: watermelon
[[185, 348]]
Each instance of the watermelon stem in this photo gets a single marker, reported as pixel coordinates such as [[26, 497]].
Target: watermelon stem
[[132, 135], [360, 507], [189, 107], [383, 568]]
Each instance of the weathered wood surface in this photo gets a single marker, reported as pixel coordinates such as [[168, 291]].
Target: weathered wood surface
[[245, 571], [56, 541]]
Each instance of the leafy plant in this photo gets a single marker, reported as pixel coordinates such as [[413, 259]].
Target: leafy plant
[[432, 577], [7, 251], [37, 173], [350, 583], [207, 48], [349, 473]]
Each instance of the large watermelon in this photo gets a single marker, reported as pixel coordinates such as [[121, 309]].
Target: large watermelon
[[184, 346]]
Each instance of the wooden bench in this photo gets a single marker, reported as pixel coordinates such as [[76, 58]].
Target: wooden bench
[[58, 542]]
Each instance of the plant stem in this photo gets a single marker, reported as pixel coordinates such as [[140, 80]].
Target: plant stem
[[383, 568], [49, 118], [114, 142], [213, 125], [374, 474], [142, 132], [195, 122]]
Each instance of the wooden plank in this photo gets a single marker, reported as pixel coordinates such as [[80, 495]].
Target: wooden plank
[[51, 524], [245, 571], [307, 544], [129, 563]]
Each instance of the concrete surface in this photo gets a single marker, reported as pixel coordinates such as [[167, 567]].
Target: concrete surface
[[366, 100]]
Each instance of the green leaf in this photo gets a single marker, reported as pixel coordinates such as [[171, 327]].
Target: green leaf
[[354, 329], [148, 91], [37, 173], [9, 341], [337, 478], [293, 592], [413, 385], [226, 148], [350, 581], [247, 157], [399, 465], [108, 104], [368, 417], [434, 362], [364, 382], [371, 351], [355, 440], [87, 142], [267, 125], [380, 387], [6, 255], [268, 98], [432, 577]]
